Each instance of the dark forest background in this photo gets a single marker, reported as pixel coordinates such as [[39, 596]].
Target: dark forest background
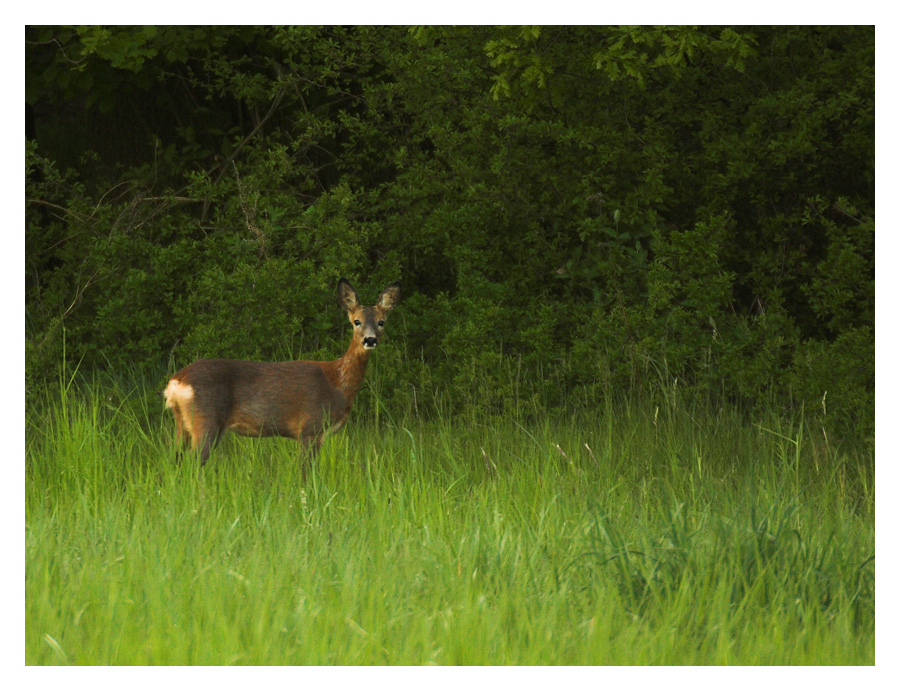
[[575, 213]]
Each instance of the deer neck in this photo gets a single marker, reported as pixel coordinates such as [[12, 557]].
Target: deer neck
[[352, 370]]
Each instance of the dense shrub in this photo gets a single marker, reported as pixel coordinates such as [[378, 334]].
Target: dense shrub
[[574, 212]]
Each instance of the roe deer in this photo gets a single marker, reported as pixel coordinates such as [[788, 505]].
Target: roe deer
[[301, 399]]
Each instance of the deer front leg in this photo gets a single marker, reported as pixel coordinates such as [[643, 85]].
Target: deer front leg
[[310, 443]]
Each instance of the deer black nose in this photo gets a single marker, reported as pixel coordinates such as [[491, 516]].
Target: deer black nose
[[370, 342]]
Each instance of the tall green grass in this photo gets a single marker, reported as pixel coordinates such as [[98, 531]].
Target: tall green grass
[[660, 533]]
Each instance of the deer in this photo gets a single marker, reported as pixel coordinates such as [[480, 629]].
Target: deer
[[300, 399]]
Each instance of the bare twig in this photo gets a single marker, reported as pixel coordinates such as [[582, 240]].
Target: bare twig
[[223, 166], [250, 215]]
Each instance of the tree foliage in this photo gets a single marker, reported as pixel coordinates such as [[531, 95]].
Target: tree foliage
[[573, 211]]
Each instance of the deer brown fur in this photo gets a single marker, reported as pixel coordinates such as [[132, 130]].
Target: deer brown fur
[[301, 399]]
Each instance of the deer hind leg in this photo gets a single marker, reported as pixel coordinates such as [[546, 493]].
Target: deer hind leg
[[196, 434], [205, 435], [179, 399], [182, 435], [201, 430]]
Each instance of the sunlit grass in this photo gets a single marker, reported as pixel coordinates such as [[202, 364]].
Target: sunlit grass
[[636, 534]]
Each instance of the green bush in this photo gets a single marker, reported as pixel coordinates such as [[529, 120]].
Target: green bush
[[574, 212]]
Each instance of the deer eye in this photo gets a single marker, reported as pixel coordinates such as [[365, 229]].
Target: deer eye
[[357, 322], [381, 323]]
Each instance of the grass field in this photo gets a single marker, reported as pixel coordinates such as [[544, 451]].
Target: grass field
[[653, 533]]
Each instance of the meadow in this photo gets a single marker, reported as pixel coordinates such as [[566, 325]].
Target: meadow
[[641, 532]]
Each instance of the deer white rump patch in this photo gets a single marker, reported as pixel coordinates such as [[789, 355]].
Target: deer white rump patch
[[178, 393], [178, 397]]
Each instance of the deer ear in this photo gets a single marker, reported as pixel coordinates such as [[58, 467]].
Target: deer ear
[[390, 297], [347, 295]]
